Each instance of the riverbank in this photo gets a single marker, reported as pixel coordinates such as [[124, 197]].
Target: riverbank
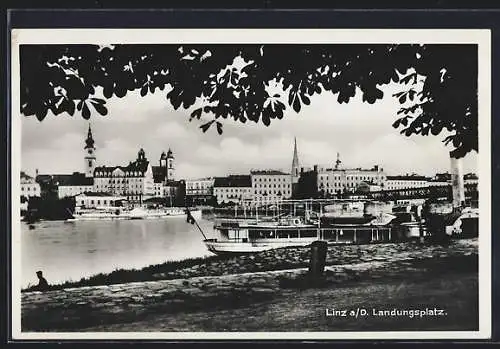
[[405, 276], [278, 259]]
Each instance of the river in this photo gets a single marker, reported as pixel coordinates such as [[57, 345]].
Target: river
[[72, 250]]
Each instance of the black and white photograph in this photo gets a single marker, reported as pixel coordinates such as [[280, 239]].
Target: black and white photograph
[[260, 184]]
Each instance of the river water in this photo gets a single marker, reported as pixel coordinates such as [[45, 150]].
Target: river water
[[72, 250]]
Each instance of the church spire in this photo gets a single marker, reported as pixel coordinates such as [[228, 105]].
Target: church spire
[[90, 158], [89, 142]]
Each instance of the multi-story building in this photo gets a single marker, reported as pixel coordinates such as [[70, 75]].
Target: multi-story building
[[202, 186], [406, 182], [93, 200], [270, 186], [29, 187], [134, 181], [235, 189], [199, 191], [440, 179], [336, 180], [471, 178], [137, 181], [74, 184], [367, 187]]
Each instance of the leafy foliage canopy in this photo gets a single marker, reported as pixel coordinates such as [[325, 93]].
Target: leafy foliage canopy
[[439, 82]]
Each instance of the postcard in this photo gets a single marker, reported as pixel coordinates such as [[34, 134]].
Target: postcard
[[310, 184]]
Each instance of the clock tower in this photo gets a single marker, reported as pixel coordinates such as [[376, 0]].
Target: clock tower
[[90, 158]]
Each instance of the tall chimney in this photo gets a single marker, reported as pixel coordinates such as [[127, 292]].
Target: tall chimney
[[457, 182]]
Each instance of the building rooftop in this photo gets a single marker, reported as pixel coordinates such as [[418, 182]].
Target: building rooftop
[[375, 168], [100, 194], [76, 178], [470, 176], [25, 178], [412, 177], [139, 166], [200, 179], [233, 181], [268, 172]]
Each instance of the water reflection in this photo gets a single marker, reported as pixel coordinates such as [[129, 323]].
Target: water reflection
[[72, 250]]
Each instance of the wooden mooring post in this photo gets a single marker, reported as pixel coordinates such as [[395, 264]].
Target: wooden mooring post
[[318, 258]]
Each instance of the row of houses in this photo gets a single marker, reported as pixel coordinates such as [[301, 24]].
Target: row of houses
[[271, 185], [140, 180], [260, 186]]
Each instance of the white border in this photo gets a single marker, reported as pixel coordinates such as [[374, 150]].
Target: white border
[[240, 36]]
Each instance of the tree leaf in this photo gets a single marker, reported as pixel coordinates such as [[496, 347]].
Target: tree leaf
[[41, 114], [219, 127], [70, 107], [206, 126], [296, 104], [101, 109], [107, 91], [97, 100], [196, 114], [402, 98], [306, 100], [85, 111]]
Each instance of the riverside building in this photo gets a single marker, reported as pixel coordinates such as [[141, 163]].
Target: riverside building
[[406, 182], [269, 186], [335, 180], [233, 189], [137, 181]]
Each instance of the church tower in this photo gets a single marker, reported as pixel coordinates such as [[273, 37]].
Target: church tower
[[338, 162], [170, 166], [163, 166], [295, 164], [90, 159]]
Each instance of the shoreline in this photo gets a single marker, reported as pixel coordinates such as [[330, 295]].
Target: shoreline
[[267, 301], [277, 259]]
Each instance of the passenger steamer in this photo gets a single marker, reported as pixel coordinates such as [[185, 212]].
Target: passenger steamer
[[122, 213], [247, 236]]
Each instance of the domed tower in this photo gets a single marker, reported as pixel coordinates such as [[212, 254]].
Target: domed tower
[[170, 166], [163, 166], [90, 159], [163, 160], [141, 155]]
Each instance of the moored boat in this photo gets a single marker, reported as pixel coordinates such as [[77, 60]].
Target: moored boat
[[159, 213], [122, 213], [99, 213], [249, 237]]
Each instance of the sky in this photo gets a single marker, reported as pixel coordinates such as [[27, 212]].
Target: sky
[[360, 132]]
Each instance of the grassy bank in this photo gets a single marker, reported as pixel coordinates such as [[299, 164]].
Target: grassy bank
[[279, 259], [271, 301]]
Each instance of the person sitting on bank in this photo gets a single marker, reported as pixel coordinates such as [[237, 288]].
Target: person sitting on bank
[[43, 285]]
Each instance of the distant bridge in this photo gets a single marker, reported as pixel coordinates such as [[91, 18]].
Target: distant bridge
[[431, 192]]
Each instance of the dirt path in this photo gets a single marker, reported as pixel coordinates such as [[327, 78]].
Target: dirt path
[[295, 310]]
